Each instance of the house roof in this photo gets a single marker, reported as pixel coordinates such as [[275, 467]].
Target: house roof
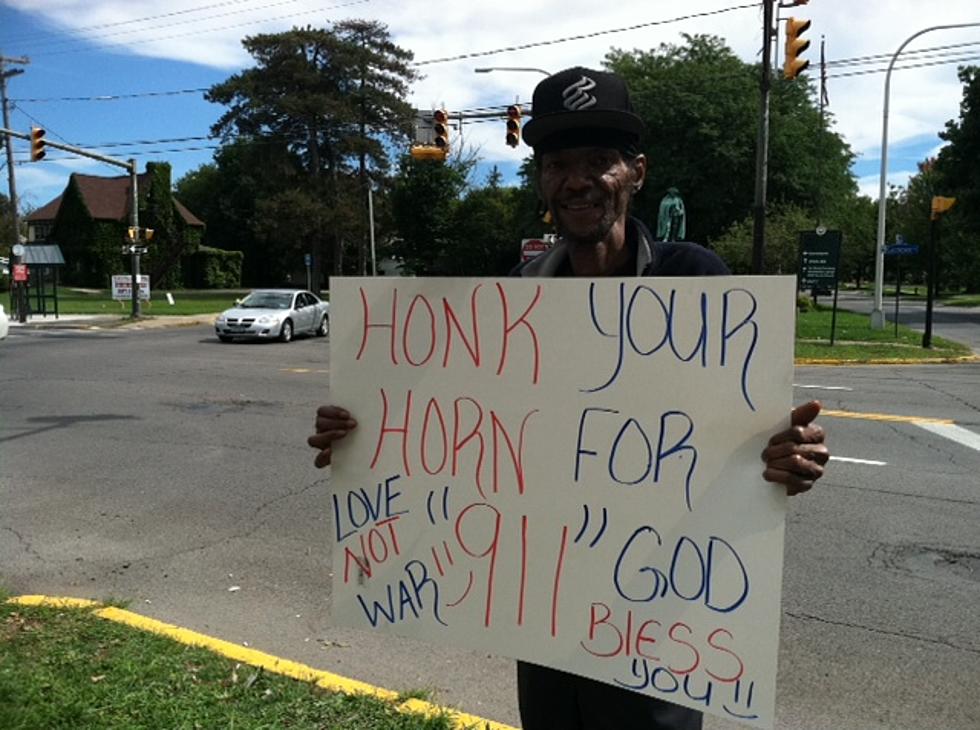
[[106, 198]]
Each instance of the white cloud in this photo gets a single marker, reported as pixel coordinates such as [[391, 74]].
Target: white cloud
[[921, 100]]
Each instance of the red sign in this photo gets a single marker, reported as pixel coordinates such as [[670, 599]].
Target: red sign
[[20, 272], [531, 247]]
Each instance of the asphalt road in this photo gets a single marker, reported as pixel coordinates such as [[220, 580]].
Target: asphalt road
[[168, 469]]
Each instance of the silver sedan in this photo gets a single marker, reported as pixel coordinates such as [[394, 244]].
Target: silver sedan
[[274, 314]]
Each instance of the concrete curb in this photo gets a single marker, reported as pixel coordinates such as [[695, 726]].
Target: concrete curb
[[107, 322], [268, 662]]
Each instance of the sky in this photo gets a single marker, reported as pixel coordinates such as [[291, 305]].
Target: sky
[[123, 77]]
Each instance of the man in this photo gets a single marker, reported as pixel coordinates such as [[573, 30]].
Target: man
[[586, 138]]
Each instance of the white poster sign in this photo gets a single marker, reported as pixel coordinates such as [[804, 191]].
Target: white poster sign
[[122, 287], [568, 472]]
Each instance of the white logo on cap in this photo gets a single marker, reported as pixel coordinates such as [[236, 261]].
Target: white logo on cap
[[577, 97]]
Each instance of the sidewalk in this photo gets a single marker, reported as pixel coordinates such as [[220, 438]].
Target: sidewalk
[[111, 321]]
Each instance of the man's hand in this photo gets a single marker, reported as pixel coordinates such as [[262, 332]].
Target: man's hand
[[795, 457], [332, 423]]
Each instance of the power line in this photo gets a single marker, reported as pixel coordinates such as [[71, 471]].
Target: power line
[[881, 57], [537, 44], [129, 31], [962, 59], [113, 97], [31, 36]]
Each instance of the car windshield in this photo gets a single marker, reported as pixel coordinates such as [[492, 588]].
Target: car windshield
[[267, 300]]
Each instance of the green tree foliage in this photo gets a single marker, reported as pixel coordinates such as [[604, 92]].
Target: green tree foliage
[[335, 99], [700, 103], [424, 198], [234, 193], [958, 176]]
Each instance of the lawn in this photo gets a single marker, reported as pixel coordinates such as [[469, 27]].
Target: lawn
[[855, 341], [96, 301], [68, 668]]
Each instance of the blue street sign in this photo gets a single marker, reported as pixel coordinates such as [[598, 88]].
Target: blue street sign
[[902, 249]]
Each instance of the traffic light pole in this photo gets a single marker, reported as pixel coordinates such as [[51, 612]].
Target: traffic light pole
[[762, 145], [129, 165]]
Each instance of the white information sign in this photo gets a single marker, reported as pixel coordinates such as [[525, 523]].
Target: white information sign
[[568, 472], [122, 287]]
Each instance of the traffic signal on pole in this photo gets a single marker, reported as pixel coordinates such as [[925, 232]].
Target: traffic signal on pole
[[440, 129], [37, 144], [513, 125], [793, 66]]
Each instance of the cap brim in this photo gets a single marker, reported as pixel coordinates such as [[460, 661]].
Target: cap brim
[[542, 127]]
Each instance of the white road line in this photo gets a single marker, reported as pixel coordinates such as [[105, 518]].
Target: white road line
[[849, 460], [953, 432], [822, 387]]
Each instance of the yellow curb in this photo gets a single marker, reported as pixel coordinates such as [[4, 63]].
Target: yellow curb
[[889, 361], [268, 662]]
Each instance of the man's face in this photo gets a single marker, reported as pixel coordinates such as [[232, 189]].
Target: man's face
[[587, 190]]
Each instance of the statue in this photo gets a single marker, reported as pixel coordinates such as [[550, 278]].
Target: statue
[[671, 218]]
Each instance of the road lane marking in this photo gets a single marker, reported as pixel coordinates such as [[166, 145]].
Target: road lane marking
[[848, 460], [823, 387], [327, 680], [951, 431], [917, 420], [302, 370]]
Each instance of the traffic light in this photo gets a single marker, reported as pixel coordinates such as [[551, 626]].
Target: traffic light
[[37, 144], [793, 66], [440, 129], [513, 125]]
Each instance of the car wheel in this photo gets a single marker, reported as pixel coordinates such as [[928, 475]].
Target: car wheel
[[286, 332], [225, 338], [324, 329]]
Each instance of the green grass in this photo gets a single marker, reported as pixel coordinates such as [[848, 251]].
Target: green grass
[[67, 668], [854, 340], [88, 301]]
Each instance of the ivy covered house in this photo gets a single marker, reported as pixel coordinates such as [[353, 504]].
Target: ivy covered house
[[89, 222]]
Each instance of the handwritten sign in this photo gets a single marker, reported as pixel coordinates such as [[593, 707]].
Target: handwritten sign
[[567, 472]]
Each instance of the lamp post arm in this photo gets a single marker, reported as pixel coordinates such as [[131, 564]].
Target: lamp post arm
[[877, 313]]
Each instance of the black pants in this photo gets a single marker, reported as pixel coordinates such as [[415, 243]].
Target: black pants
[[554, 700]]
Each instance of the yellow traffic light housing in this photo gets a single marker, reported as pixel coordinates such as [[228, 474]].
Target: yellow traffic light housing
[[427, 152], [37, 144], [440, 129], [793, 66], [513, 125]]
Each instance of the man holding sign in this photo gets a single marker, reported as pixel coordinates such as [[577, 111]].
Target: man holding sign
[[585, 138]]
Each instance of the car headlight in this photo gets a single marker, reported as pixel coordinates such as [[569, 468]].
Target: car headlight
[[220, 319], [267, 319]]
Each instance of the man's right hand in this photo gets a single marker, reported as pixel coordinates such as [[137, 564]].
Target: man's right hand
[[332, 423]]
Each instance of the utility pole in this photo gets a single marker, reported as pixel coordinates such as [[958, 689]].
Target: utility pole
[[11, 179], [762, 144]]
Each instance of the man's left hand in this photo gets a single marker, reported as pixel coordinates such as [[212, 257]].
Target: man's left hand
[[796, 457]]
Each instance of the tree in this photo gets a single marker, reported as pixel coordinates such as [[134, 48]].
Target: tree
[[700, 104], [956, 176], [424, 197], [335, 99]]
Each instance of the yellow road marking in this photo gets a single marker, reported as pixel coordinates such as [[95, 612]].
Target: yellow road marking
[[302, 370], [268, 662], [885, 417]]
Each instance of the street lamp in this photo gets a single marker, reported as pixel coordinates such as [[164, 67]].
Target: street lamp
[[488, 69], [877, 313]]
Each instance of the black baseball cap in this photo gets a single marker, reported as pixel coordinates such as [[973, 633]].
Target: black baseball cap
[[579, 103]]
